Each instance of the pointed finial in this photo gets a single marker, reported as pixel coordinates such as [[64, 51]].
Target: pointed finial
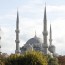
[[45, 13], [50, 25], [17, 11], [35, 33], [45, 5], [50, 35], [17, 20]]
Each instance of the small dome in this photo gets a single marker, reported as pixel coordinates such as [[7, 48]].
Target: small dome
[[34, 40], [52, 48], [45, 45], [30, 47], [55, 55]]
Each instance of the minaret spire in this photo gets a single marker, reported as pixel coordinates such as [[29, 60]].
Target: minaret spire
[[45, 19], [50, 40], [17, 22], [45, 33], [17, 34], [35, 33]]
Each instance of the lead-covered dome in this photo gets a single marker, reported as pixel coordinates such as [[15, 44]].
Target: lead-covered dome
[[52, 48], [34, 40], [34, 43]]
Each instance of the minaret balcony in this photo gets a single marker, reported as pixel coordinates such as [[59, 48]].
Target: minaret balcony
[[17, 41], [50, 40], [45, 45], [45, 33], [17, 31]]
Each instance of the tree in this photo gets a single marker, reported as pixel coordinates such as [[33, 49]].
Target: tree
[[61, 60], [28, 58], [34, 58], [53, 61]]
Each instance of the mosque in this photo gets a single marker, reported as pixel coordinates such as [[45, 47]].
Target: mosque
[[35, 43]]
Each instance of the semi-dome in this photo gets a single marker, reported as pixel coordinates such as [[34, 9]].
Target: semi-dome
[[34, 40], [52, 48]]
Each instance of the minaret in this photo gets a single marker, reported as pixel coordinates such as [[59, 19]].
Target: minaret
[[17, 34], [51, 47], [45, 33], [50, 40]]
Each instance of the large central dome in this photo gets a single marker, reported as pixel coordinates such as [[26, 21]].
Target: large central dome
[[34, 40], [35, 43]]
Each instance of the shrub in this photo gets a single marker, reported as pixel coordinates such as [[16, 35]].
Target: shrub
[[53, 61], [33, 58], [28, 58]]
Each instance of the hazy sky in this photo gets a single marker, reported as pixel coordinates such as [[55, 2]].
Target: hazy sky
[[31, 13]]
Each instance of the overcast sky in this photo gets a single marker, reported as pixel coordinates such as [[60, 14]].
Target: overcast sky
[[31, 14]]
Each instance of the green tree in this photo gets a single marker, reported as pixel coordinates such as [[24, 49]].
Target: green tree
[[53, 61], [28, 58], [34, 58]]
